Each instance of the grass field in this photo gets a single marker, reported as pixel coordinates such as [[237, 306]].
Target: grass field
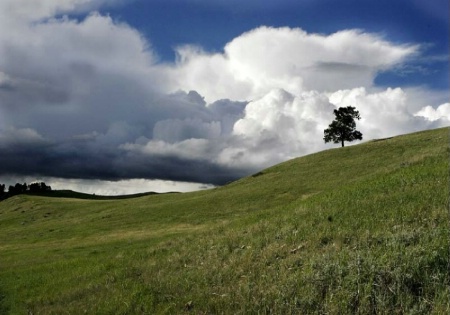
[[362, 229]]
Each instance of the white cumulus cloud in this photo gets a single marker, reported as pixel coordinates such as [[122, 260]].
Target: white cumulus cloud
[[442, 112], [291, 59]]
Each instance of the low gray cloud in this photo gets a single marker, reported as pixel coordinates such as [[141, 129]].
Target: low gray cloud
[[25, 153]]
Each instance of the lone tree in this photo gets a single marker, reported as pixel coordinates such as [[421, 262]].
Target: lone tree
[[343, 127]]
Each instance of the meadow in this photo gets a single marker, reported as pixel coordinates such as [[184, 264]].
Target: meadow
[[363, 229]]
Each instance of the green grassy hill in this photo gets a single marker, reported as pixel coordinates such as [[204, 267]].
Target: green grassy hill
[[361, 229]]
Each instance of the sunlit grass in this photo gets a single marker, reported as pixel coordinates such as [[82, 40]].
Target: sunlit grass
[[361, 229]]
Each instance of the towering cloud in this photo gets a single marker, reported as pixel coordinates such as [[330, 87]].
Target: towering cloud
[[268, 58]]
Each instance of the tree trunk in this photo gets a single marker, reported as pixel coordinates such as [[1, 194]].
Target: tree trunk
[[342, 141]]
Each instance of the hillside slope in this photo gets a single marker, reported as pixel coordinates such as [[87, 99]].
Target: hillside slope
[[356, 229]]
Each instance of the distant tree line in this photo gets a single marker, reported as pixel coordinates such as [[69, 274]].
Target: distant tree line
[[22, 189]]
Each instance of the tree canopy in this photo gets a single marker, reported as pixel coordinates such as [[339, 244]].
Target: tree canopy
[[38, 187], [343, 127]]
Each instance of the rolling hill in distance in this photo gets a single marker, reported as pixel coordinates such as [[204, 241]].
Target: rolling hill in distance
[[360, 229]]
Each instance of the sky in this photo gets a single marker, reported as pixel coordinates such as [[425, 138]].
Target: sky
[[126, 96]]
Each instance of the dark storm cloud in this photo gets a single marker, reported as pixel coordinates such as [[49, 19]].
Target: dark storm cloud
[[87, 160], [175, 168]]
